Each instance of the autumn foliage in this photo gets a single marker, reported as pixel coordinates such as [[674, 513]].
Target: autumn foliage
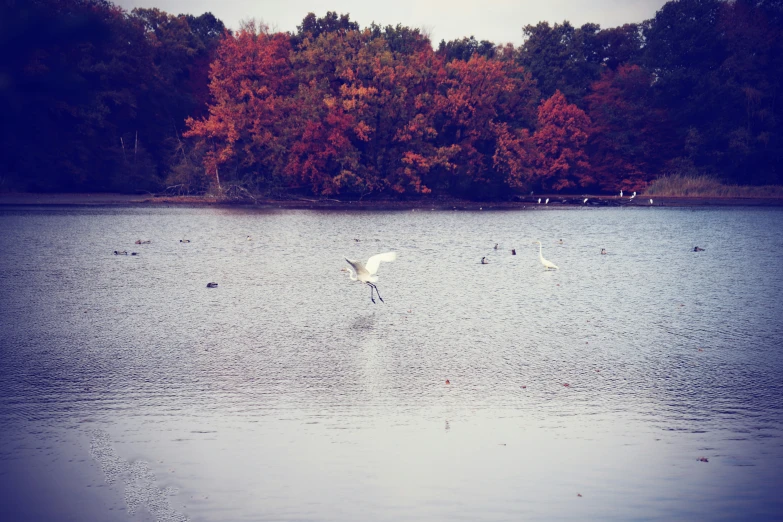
[[358, 112], [95, 98]]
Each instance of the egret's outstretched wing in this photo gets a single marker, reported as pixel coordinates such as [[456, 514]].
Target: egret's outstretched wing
[[356, 268], [375, 261]]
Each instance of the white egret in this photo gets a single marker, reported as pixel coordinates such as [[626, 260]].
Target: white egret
[[539, 201], [585, 201], [366, 272], [547, 264], [633, 195], [546, 202], [651, 201], [621, 192]]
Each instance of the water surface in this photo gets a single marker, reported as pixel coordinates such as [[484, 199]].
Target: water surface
[[130, 391]]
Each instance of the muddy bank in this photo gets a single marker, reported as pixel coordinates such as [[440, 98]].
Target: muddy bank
[[519, 203]]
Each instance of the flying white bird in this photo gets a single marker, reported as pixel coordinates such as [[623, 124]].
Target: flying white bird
[[366, 272], [546, 202], [547, 264]]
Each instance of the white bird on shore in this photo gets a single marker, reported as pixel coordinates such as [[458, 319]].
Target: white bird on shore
[[366, 272], [585, 201], [633, 195], [651, 201], [621, 192], [539, 201], [547, 264], [546, 202]]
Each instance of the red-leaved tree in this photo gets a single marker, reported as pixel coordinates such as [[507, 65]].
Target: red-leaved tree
[[563, 131]]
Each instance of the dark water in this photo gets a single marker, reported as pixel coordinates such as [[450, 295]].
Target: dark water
[[130, 391]]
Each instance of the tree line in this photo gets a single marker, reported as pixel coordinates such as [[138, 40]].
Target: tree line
[[95, 98]]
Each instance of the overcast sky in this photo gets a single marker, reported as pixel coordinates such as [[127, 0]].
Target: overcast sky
[[499, 21]]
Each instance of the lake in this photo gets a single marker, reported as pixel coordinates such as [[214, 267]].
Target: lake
[[644, 384]]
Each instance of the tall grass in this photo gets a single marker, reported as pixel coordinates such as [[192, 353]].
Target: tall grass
[[707, 187]]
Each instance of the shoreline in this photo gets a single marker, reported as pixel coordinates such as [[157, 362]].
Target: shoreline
[[521, 203]]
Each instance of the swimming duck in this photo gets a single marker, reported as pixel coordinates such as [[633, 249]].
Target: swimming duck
[[603, 251], [211, 285], [142, 241], [484, 261], [120, 253], [698, 249], [184, 240]]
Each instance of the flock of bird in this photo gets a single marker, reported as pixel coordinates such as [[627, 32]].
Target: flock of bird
[[584, 202], [367, 272]]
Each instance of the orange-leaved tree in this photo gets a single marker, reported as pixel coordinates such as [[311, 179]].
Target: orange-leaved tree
[[563, 131], [249, 83], [483, 110]]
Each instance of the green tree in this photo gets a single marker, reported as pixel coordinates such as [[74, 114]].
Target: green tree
[[562, 58], [464, 49]]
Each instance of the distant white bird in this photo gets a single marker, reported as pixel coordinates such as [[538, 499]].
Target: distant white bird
[[539, 201], [633, 195], [547, 264], [366, 272], [546, 202], [585, 201], [249, 238], [621, 192], [651, 201]]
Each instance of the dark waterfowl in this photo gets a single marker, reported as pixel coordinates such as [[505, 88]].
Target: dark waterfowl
[[121, 253], [184, 240], [698, 249], [211, 285]]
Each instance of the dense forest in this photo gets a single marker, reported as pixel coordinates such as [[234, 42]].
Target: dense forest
[[95, 98]]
